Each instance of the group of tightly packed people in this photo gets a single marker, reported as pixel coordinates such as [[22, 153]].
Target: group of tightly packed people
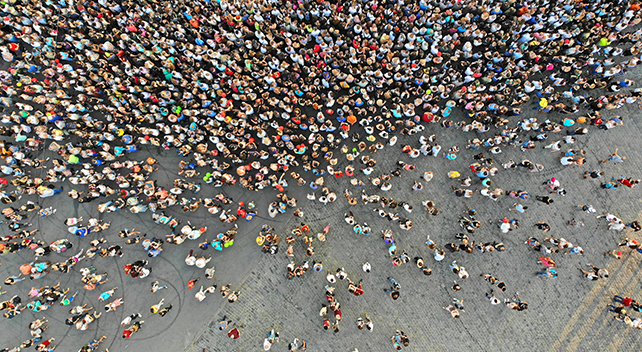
[[256, 93]]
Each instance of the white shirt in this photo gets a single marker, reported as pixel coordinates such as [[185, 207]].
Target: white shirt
[[367, 267], [439, 257], [617, 226], [567, 160], [331, 278], [191, 260]]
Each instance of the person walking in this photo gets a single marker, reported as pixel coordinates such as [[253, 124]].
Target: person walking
[[491, 297], [615, 158], [626, 301], [127, 333], [235, 332]]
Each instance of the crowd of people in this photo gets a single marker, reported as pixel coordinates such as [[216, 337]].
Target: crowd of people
[[269, 94]]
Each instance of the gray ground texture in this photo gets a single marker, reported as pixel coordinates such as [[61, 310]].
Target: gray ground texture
[[565, 314]]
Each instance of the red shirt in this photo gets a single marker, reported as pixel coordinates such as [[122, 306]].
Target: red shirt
[[627, 302], [234, 333], [127, 333], [626, 182]]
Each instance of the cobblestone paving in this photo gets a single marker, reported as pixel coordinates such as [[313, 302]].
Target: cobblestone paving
[[565, 314]]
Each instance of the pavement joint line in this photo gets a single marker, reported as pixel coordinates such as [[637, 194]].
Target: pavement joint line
[[203, 330], [611, 263], [637, 298], [610, 347], [615, 285], [591, 295], [616, 342], [638, 339], [635, 280], [588, 300]]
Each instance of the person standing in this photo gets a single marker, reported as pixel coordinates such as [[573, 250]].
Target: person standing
[[235, 332], [491, 297], [394, 293], [222, 325], [272, 337]]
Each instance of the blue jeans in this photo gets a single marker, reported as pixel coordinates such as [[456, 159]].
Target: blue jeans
[[612, 309]]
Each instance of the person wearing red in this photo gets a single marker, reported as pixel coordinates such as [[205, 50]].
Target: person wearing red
[[354, 289], [127, 333], [44, 344], [235, 332], [359, 291], [132, 329], [14, 47], [626, 301], [192, 283], [547, 261], [628, 182]]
